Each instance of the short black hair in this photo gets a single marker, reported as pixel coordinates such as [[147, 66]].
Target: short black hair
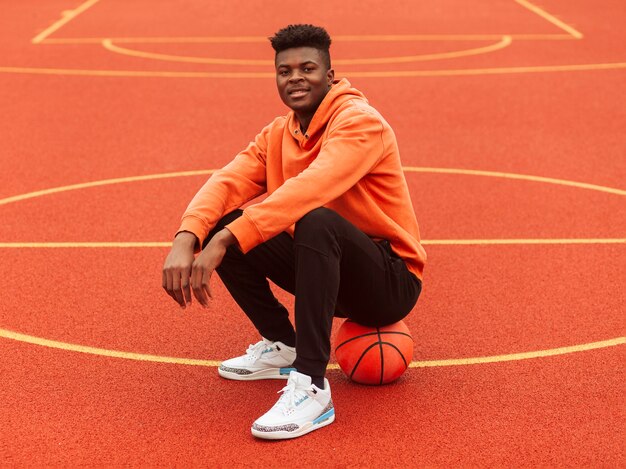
[[303, 35]]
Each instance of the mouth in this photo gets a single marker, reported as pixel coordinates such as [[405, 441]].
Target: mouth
[[298, 92]]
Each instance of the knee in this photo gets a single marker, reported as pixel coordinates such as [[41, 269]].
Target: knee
[[317, 222]]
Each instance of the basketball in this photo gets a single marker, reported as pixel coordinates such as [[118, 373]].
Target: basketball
[[373, 355]]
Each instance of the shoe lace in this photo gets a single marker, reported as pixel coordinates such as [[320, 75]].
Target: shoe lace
[[255, 350], [291, 395]]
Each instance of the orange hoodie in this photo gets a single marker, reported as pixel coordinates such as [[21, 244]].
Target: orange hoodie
[[347, 161]]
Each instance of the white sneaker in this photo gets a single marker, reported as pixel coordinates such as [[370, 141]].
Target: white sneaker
[[302, 408], [263, 360]]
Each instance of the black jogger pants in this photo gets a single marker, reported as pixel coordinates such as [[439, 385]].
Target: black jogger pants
[[332, 268]]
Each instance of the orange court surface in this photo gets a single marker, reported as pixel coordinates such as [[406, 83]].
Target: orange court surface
[[511, 121]]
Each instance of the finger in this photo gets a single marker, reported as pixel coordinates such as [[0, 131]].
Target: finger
[[178, 294], [206, 282], [168, 282], [185, 280], [196, 286]]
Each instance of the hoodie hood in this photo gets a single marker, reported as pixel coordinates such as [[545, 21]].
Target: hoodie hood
[[340, 92]]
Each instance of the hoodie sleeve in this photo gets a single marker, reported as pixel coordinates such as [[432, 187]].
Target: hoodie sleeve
[[353, 146], [243, 179]]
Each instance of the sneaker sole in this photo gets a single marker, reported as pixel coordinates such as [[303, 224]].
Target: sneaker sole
[[269, 373], [306, 428]]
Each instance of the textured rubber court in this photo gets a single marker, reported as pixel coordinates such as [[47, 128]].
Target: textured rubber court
[[511, 121]]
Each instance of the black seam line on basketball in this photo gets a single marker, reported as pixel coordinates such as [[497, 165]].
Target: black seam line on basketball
[[398, 350], [354, 338], [356, 365], [372, 333], [382, 358]]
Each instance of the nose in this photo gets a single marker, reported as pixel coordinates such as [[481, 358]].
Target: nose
[[295, 77]]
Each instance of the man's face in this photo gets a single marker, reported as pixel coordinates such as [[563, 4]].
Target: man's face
[[302, 79]]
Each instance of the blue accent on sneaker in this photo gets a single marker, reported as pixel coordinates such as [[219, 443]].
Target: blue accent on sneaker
[[324, 416], [286, 371], [301, 400]]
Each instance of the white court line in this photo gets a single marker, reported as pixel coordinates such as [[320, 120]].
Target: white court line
[[7, 334], [67, 16], [272, 75], [548, 17], [503, 42], [426, 242], [339, 38]]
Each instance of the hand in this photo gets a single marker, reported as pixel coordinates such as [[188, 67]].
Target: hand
[[177, 268], [209, 260]]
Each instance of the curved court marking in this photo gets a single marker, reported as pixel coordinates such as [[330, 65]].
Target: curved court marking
[[103, 182], [523, 177], [361, 74], [452, 362], [413, 169], [520, 356], [410, 169], [7, 334], [504, 41]]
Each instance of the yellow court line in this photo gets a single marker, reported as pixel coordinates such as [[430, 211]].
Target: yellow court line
[[132, 73], [66, 18], [449, 37], [111, 47], [487, 242], [410, 169], [520, 356], [29, 339], [429, 242], [487, 71], [360, 74], [523, 177], [7, 334], [263, 39], [103, 182], [86, 244], [504, 41], [547, 16]]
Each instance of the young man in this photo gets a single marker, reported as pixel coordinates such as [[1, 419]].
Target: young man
[[337, 230]]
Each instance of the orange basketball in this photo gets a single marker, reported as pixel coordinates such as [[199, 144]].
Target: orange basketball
[[373, 355]]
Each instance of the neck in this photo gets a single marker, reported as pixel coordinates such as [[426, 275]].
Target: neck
[[304, 121]]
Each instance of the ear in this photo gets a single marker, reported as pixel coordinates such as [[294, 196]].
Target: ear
[[330, 76]]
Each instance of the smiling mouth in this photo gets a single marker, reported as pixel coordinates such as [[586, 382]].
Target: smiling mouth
[[298, 93]]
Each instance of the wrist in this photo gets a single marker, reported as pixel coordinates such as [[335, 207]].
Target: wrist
[[225, 237], [186, 238]]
